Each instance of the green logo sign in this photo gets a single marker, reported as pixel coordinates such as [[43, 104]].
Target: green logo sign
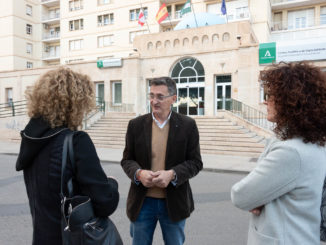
[[100, 64], [267, 53]]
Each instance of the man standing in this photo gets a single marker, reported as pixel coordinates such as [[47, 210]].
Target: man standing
[[161, 154]]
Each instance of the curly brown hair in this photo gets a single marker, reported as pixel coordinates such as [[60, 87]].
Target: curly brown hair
[[62, 97], [299, 93]]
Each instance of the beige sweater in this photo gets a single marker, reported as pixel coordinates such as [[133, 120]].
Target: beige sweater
[[159, 142]]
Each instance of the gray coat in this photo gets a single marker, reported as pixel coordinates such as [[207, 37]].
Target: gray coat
[[288, 182]]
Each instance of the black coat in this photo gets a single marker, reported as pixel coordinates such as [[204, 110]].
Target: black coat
[[40, 158], [182, 155]]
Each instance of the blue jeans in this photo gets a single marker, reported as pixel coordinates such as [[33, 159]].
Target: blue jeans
[[154, 210]]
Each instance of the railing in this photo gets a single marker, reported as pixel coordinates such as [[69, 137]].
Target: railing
[[51, 36], [51, 17], [95, 114], [111, 107], [249, 114], [285, 25], [13, 108], [47, 55]]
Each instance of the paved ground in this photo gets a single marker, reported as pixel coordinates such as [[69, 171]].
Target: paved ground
[[214, 221], [218, 163]]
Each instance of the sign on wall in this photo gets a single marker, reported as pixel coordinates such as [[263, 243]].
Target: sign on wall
[[113, 62], [288, 51], [267, 53]]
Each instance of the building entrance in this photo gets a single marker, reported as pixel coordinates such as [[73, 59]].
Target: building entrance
[[223, 92], [190, 79]]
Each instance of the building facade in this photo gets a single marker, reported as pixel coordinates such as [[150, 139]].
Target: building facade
[[211, 63]]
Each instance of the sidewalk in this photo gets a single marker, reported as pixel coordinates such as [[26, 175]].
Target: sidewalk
[[215, 163]]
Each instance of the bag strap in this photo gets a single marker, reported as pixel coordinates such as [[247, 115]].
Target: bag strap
[[67, 150]]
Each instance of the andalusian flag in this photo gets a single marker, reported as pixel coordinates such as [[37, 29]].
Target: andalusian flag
[[186, 8], [162, 13]]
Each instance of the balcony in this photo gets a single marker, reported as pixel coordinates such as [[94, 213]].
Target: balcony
[[50, 57], [51, 37], [285, 31], [51, 18], [50, 3], [173, 19], [286, 4]]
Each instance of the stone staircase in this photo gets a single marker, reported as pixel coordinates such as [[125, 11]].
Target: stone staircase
[[218, 135]]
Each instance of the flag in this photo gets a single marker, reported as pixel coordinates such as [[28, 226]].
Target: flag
[[141, 18], [223, 7], [186, 8], [162, 13]]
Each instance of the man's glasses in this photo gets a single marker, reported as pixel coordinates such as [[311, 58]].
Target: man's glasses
[[158, 97]]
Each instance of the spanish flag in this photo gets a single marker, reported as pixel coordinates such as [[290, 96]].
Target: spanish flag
[[162, 13]]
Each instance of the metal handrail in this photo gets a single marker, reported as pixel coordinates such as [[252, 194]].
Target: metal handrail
[[18, 108], [113, 107], [249, 114], [13, 108]]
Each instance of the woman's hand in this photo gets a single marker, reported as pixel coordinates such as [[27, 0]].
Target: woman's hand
[[256, 211]]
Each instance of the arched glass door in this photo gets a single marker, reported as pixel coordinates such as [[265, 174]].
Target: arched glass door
[[189, 75]]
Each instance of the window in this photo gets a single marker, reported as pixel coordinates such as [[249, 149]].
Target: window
[[323, 15], [29, 29], [29, 48], [133, 14], [9, 96], [301, 18], [107, 19], [277, 25], [99, 91], [117, 92], [75, 5], [100, 2], [75, 25], [178, 8], [242, 12], [29, 65], [76, 44], [132, 34], [104, 41], [29, 10]]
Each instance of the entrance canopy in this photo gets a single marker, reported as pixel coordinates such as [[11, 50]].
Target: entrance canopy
[[199, 19]]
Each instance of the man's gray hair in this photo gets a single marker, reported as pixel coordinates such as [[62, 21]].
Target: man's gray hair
[[167, 81]]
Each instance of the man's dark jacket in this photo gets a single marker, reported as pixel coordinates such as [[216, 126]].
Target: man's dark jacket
[[182, 155], [40, 158]]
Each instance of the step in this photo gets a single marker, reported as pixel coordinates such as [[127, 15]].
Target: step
[[228, 131], [231, 144], [109, 142], [216, 124], [110, 146], [212, 120], [222, 133], [231, 153], [103, 129], [233, 148], [115, 119], [230, 139], [219, 127], [207, 117]]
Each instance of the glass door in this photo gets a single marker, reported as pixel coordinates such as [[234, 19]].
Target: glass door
[[223, 92], [190, 100]]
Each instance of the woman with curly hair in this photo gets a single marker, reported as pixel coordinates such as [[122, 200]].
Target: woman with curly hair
[[56, 105], [284, 191]]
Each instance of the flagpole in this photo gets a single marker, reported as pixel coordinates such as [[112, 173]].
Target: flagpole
[[141, 7], [193, 10], [169, 17]]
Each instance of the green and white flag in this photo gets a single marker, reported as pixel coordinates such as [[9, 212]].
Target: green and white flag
[[186, 8]]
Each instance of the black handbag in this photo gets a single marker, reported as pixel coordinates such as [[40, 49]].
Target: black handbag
[[79, 224]]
